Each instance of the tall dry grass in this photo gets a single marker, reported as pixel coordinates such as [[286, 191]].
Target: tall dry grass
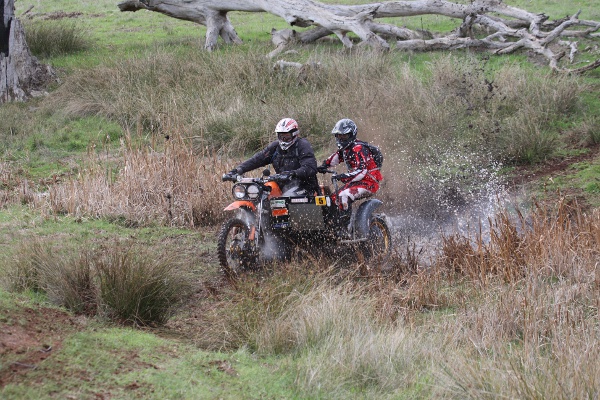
[[445, 130], [162, 183], [518, 246], [324, 319], [230, 101], [5, 182], [510, 315], [14, 188], [535, 329], [341, 347]]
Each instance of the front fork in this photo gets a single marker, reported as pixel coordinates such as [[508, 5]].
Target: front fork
[[255, 223], [257, 229]]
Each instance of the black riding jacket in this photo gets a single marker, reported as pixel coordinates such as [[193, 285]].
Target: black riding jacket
[[299, 158]]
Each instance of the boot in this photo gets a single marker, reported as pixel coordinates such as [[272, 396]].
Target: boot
[[343, 222], [343, 217]]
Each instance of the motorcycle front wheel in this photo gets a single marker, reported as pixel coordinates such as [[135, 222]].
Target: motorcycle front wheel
[[234, 249], [377, 249]]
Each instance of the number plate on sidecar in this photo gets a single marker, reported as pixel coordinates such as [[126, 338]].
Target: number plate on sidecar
[[321, 200]]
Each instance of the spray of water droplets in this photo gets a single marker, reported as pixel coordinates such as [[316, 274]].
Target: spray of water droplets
[[450, 192]]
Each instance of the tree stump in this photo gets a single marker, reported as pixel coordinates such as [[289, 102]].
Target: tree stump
[[21, 74]]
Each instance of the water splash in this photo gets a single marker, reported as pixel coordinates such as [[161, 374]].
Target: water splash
[[457, 193]]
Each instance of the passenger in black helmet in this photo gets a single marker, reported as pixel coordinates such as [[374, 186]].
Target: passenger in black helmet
[[291, 156], [363, 176]]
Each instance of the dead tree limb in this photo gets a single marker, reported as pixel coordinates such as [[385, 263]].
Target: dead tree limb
[[508, 29]]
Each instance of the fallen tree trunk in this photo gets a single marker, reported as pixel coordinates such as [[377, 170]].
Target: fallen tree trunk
[[21, 74], [507, 29]]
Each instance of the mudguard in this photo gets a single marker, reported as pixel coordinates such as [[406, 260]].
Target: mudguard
[[363, 214], [241, 204]]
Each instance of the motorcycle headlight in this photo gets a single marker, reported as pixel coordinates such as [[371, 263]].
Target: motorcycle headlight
[[239, 191], [253, 191]]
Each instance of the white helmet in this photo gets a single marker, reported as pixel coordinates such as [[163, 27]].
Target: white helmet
[[287, 132]]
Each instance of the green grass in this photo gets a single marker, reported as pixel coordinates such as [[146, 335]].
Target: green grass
[[125, 363], [580, 180], [18, 222], [586, 176]]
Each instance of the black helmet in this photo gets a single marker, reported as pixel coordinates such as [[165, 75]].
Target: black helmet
[[345, 133]]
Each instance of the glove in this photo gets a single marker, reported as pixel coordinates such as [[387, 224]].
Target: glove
[[287, 175], [230, 176], [339, 177], [322, 168]]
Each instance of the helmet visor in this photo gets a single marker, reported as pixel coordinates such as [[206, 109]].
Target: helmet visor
[[342, 136], [285, 137]]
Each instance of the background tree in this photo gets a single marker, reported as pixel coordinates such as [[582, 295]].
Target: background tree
[[21, 74]]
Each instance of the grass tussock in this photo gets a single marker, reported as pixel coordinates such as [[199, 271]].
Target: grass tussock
[[64, 276], [55, 38], [124, 282], [140, 287]]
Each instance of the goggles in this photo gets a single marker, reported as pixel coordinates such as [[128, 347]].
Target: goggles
[[285, 136]]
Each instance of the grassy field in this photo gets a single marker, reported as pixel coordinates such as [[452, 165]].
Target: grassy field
[[110, 199]]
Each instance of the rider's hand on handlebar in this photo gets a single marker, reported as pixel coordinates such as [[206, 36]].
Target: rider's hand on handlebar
[[286, 176], [339, 177], [230, 176], [322, 168]]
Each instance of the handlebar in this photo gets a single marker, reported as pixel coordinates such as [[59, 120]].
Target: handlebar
[[278, 177], [334, 175], [227, 177]]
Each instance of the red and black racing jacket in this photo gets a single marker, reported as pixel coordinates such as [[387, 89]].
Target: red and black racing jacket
[[359, 162]]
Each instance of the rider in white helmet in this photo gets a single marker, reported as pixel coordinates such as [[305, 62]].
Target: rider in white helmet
[[290, 155]]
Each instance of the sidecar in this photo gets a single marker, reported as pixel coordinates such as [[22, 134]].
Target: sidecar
[[318, 213], [299, 213]]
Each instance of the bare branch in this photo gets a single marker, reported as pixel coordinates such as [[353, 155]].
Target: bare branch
[[509, 29]]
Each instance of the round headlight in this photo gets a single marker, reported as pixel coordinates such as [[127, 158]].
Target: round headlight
[[253, 191], [239, 191]]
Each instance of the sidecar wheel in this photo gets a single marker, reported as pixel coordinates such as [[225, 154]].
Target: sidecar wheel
[[378, 247], [235, 251]]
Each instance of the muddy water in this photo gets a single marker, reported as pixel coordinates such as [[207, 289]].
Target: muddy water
[[424, 214]]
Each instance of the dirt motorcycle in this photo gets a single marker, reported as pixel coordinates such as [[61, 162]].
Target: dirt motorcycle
[[268, 224]]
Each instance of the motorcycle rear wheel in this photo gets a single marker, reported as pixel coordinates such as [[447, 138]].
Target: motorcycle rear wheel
[[234, 249]]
